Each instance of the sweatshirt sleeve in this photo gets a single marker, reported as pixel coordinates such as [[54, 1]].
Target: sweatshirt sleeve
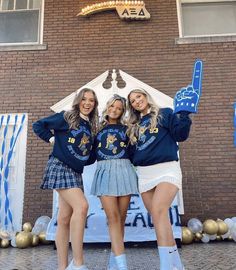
[[43, 128], [178, 124]]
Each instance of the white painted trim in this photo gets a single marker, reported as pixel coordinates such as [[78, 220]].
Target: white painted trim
[[179, 16], [210, 39], [41, 22]]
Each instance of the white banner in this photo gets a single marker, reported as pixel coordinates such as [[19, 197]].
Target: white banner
[[138, 225]]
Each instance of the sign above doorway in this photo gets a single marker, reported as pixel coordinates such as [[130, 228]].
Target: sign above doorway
[[133, 10]]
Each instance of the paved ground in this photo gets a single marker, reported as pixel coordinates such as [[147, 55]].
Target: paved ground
[[213, 256]]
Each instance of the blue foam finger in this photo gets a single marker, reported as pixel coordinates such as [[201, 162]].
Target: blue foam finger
[[197, 77], [191, 94]]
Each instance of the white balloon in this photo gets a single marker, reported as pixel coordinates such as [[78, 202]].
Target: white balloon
[[41, 225], [233, 234], [205, 238], [233, 219], [229, 222], [13, 241], [195, 225], [212, 237], [226, 235]]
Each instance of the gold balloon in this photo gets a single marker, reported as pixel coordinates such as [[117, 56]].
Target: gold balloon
[[27, 227], [35, 240], [222, 227], [218, 238], [5, 243], [187, 235], [198, 236], [42, 238], [4, 234], [23, 239], [210, 226]]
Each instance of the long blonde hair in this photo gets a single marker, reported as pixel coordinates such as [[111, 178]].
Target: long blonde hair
[[134, 116], [73, 117], [112, 100]]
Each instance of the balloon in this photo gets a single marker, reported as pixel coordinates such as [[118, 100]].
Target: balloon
[[35, 240], [210, 226], [198, 237], [222, 227], [27, 227], [229, 222], [233, 233], [187, 235], [5, 243], [41, 225], [226, 235], [213, 237], [23, 239], [13, 241], [195, 225], [4, 234], [42, 238], [233, 219], [205, 238]]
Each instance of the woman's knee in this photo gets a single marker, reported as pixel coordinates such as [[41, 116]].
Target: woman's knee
[[64, 219], [159, 211], [113, 218], [82, 209]]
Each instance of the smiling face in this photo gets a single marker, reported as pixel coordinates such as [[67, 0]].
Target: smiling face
[[139, 102], [87, 103], [115, 111]]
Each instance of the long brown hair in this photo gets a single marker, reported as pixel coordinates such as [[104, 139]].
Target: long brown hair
[[73, 116]]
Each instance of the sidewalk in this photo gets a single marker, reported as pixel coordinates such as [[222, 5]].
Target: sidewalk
[[141, 256]]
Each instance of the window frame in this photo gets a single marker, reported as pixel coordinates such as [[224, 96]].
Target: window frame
[[26, 45], [206, 37]]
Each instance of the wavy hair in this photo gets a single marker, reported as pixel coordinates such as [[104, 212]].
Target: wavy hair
[[134, 116], [73, 117], [112, 100]]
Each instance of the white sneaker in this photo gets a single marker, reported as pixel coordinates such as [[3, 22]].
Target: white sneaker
[[71, 266]]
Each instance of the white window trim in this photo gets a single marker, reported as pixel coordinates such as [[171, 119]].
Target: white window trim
[[200, 38], [27, 45]]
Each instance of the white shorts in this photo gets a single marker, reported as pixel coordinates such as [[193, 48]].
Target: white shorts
[[150, 176]]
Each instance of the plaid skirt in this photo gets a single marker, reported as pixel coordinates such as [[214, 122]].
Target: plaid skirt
[[58, 175]]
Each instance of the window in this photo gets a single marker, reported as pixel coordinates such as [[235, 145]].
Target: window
[[202, 18], [21, 22]]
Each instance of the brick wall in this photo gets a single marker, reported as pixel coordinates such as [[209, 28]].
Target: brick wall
[[79, 49]]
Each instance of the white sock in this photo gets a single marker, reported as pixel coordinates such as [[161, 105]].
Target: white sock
[[112, 261], [176, 258], [121, 262], [165, 258]]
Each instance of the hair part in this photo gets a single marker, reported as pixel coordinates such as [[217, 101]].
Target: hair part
[[73, 117], [134, 116]]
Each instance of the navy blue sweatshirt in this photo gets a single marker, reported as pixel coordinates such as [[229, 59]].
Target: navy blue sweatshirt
[[112, 142], [72, 146], [159, 144]]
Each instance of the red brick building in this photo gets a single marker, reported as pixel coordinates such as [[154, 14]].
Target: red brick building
[[38, 70]]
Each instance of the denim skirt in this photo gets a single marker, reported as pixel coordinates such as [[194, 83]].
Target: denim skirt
[[114, 177], [58, 175]]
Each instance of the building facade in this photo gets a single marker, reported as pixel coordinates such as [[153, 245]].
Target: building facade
[[50, 53]]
